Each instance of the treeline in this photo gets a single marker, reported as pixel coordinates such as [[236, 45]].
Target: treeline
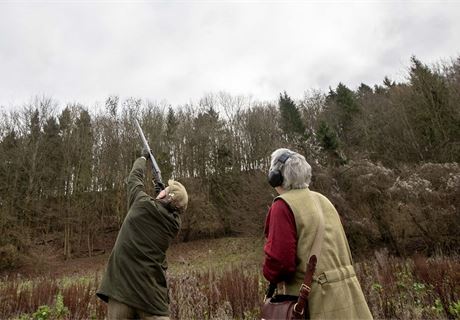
[[63, 168]]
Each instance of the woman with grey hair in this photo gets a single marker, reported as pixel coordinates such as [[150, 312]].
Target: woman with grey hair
[[290, 230]]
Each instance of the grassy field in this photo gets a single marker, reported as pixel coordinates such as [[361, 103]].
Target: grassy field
[[221, 279]]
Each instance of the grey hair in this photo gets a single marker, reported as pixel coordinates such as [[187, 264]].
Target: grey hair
[[296, 171]]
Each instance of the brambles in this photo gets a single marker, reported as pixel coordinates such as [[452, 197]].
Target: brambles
[[407, 210]]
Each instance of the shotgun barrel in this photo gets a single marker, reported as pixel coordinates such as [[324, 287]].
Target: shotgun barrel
[[156, 170]]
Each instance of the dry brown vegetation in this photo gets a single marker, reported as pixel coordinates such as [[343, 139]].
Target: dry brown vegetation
[[395, 288], [408, 209]]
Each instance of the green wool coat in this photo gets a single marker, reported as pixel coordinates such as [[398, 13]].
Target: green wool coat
[[136, 269], [335, 293]]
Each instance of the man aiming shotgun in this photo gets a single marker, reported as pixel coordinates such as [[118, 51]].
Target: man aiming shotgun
[[134, 285]]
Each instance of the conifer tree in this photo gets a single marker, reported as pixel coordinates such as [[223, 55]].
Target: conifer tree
[[291, 123], [326, 136]]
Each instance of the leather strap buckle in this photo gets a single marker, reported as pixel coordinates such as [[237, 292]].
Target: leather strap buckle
[[298, 312], [304, 287], [321, 279]]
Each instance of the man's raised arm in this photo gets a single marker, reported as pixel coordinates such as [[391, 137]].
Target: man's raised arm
[[136, 180]]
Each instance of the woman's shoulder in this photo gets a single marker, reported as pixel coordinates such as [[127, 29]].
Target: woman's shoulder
[[322, 198]]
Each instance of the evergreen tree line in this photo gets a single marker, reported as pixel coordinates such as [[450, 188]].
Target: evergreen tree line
[[63, 168]]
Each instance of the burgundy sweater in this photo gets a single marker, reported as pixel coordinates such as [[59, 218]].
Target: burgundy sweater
[[281, 243]]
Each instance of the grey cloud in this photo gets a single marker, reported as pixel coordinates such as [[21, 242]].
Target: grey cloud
[[180, 50]]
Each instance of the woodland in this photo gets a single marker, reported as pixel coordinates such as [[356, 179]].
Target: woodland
[[387, 157]]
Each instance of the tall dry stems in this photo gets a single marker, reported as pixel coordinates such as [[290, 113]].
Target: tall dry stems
[[395, 288]]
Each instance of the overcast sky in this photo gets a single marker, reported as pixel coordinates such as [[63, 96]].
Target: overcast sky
[[178, 51]]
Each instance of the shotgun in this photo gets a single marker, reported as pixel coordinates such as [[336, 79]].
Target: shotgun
[[156, 170]]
